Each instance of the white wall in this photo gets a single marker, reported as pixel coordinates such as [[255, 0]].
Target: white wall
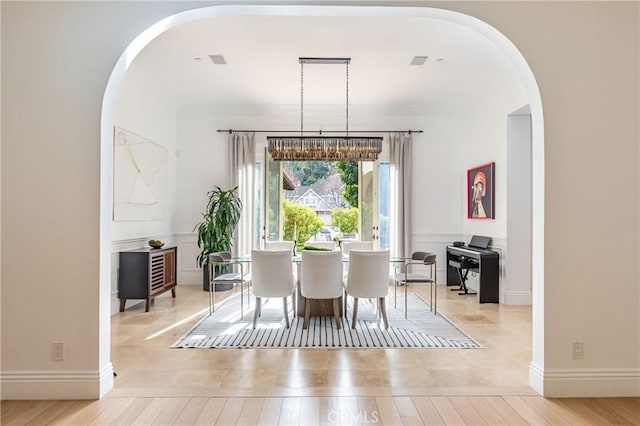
[[439, 154], [517, 267], [143, 110], [53, 85]]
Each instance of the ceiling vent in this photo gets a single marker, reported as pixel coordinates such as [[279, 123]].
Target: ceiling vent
[[419, 60], [218, 59]]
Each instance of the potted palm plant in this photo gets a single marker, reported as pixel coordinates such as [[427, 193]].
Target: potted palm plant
[[215, 232]]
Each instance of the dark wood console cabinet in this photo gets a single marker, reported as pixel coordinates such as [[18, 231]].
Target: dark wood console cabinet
[[145, 273]]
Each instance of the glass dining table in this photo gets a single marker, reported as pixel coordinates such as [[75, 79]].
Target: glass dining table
[[319, 307]]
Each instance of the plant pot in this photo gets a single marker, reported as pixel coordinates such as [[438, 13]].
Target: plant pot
[[218, 287]]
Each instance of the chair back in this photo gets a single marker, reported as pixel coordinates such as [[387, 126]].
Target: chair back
[[219, 256], [272, 273], [368, 274], [278, 245], [347, 246], [322, 244], [424, 256], [321, 274]]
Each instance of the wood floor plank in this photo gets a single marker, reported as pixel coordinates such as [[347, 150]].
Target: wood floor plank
[[34, 410], [109, 414], [66, 417], [368, 409], [609, 412], [171, 411], [329, 411], [427, 410], [572, 416], [191, 411], [290, 412], [250, 412], [85, 414], [408, 411], [446, 410], [132, 412], [579, 406], [151, 411], [628, 407], [505, 410], [309, 411], [50, 413], [349, 410], [13, 409], [6, 405], [270, 413], [466, 410], [525, 410], [231, 411], [388, 413], [552, 416], [211, 411], [486, 411]]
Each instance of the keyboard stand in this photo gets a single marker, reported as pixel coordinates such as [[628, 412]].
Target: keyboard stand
[[463, 265]]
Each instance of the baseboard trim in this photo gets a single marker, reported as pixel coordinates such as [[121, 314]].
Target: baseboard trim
[[56, 384], [518, 298], [585, 383]]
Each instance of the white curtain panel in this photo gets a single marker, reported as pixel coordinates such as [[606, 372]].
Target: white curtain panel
[[400, 187], [242, 163]]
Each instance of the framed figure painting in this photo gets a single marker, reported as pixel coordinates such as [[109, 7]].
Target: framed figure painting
[[480, 192]]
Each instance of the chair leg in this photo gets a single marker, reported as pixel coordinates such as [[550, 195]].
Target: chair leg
[[336, 312], [383, 310], [406, 299], [435, 291], [344, 295], [395, 293], [307, 313], [355, 312], [256, 313], [286, 311]]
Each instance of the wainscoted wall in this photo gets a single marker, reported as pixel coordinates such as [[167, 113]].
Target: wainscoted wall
[[190, 274], [188, 271], [437, 243]]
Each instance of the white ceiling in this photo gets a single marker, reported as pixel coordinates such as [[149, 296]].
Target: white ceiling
[[262, 62]]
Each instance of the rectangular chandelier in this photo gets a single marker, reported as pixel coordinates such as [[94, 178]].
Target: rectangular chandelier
[[324, 148]]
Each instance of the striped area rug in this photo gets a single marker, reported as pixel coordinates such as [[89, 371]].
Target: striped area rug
[[423, 329]]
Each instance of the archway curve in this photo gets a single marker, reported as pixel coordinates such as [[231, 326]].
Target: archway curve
[[516, 58]]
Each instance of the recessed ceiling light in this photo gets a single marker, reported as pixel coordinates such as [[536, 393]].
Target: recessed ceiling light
[[197, 59], [419, 60], [440, 60], [218, 59]]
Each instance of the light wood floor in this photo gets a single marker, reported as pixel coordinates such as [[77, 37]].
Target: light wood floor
[[158, 385]]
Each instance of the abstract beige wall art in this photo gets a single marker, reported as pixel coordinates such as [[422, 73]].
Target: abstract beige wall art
[[140, 178]]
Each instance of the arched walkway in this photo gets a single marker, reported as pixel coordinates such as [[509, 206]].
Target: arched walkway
[[505, 45]]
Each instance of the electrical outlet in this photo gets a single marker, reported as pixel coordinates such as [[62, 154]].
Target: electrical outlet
[[57, 351], [578, 350]]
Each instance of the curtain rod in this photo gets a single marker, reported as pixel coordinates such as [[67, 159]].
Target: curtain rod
[[320, 132]]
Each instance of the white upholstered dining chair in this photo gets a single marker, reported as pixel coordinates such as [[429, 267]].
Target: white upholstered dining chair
[[272, 276], [321, 278], [347, 246], [368, 277]]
